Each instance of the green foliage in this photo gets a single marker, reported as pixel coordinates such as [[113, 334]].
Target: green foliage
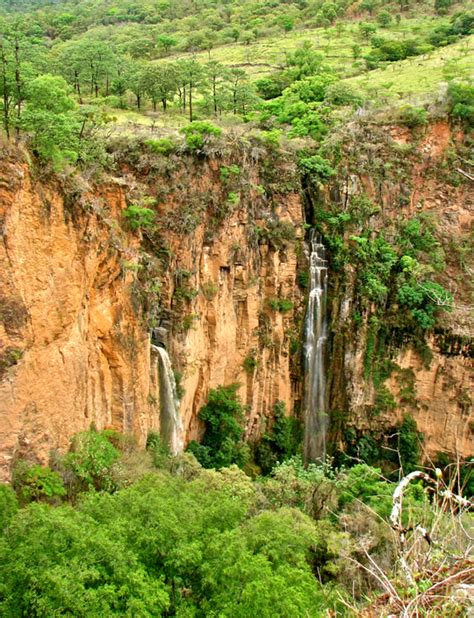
[[91, 461], [409, 439], [163, 146], [250, 363], [222, 443], [461, 101], [228, 172], [8, 506], [365, 483], [233, 198], [315, 168], [303, 279], [340, 93], [209, 290], [413, 117], [282, 442], [59, 561], [139, 217], [197, 132], [379, 258], [283, 305], [9, 358], [52, 120], [384, 19], [37, 483], [424, 300], [159, 450]]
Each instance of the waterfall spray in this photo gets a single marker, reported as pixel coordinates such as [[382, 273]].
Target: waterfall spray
[[314, 348], [171, 430]]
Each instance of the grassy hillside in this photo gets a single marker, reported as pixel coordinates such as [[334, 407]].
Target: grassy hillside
[[294, 67]]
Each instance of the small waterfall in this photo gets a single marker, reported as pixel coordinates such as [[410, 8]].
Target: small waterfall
[[314, 349], [171, 430]]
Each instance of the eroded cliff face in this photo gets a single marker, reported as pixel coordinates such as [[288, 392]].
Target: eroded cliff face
[[72, 350], [81, 292], [216, 280], [434, 386], [230, 304]]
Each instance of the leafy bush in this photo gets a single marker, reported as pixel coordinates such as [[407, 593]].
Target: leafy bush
[[51, 117], [461, 101], [59, 561], [163, 146], [343, 94], [197, 132], [250, 363], [8, 506], [303, 279], [139, 217], [409, 440], [91, 461], [227, 172], [424, 300], [159, 450], [37, 483], [413, 117], [316, 168], [280, 304], [222, 443], [280, 443]]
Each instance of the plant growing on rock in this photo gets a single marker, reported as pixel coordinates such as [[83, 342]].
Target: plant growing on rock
[[197, 132], [222, 441]]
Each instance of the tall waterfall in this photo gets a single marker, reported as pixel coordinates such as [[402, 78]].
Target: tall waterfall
[[315, 336], [171, 430]]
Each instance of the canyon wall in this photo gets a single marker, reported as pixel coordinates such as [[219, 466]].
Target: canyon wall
[[219, 280], [72, 351], [408, 173], [81, 292]]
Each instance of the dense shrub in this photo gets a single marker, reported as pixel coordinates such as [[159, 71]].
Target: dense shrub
[[37, 483], [91, 462], [315, 168], [162, 146], [413, 117], [139, 217], [222, 443], [461, 101], [8, 505], [280, 442], [197, 132]]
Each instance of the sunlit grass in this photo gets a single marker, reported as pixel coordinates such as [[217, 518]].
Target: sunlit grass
[[266, 55], [419, 75]]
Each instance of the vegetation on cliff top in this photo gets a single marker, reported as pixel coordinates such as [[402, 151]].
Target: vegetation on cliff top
[[69, 69]]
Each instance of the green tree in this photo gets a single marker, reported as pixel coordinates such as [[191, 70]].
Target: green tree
[[222, 417], [384, 19], [87, 62], [136, 82], [57, 561], [192, 75], [216, 74], [159, 83], [166, 42], [52, 120]]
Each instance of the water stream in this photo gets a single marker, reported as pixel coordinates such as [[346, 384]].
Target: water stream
[[314, 349], [171, 430]]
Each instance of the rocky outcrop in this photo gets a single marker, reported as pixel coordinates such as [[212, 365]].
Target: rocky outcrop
[[72, 352], [218, 279], [76, 309], [407, 173]]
